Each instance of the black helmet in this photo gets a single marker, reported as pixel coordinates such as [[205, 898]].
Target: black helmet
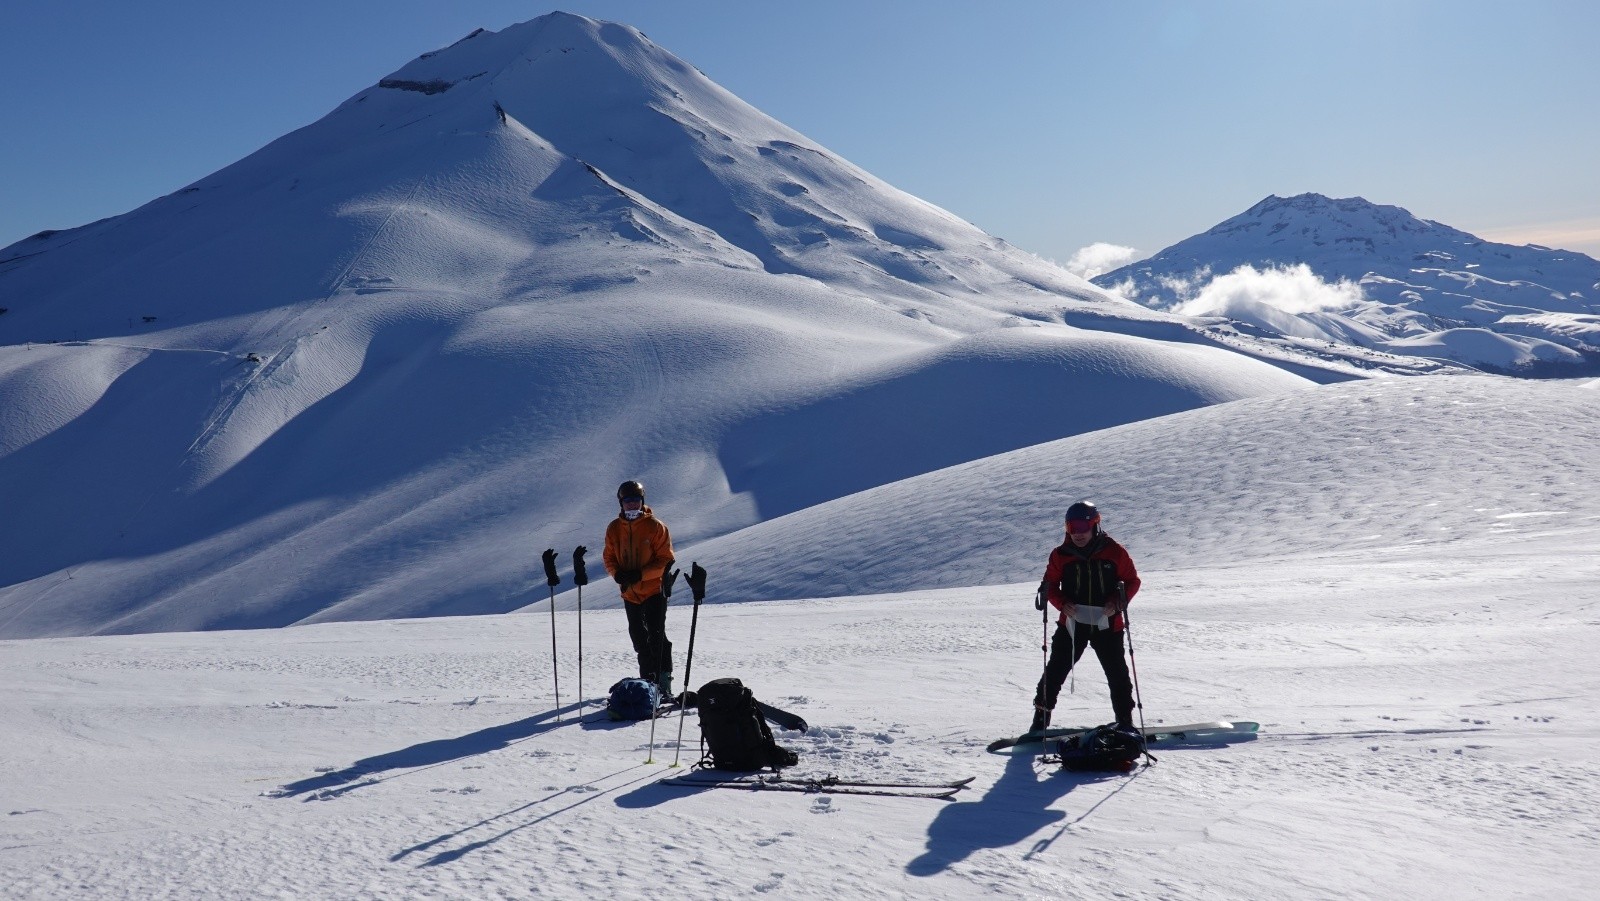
[[630, 488], [1084, 511]]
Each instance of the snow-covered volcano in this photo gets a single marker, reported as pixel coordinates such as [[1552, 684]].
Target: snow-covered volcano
[[374, 368], [1312, 270]]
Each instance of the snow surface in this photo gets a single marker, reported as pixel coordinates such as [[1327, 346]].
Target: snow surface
[[1421, 662]]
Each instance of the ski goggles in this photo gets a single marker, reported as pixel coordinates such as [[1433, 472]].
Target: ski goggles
[[1080, 526]]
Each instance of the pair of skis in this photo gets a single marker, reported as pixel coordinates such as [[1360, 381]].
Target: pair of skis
[[820, 785]]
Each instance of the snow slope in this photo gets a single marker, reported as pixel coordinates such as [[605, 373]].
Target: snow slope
[[1417, 461], [1312, 271], [1424, 676], [372, 369]]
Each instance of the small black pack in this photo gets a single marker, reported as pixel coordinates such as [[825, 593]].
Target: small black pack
[[733, 734], [1102, 749]]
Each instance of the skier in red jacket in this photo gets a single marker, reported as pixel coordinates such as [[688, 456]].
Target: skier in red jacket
[[1082, 581]]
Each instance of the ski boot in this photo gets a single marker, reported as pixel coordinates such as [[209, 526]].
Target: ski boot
[[1041, 719]]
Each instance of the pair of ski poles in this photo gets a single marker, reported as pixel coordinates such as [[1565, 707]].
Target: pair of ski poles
[[696, 580], [580, 576], [1041, 602]]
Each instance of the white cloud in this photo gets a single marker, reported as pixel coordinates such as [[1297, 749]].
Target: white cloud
[[1242, 293], [1099, 258]]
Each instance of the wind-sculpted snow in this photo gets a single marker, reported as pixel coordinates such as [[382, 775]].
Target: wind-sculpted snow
[[1418, 462]]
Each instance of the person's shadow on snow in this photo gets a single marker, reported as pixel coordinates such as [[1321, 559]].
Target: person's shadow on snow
[[1016, 807], [432, 753]]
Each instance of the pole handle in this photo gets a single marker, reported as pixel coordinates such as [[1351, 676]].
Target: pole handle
[[580, 573], [697, 581], [550, 576]]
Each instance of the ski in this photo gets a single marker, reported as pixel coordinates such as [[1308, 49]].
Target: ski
[[1044, 740], [820, 788], [1037, 736], [705, 778], [777, 716]]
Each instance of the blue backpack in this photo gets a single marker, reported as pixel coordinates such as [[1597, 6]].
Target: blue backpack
[[633, 699]]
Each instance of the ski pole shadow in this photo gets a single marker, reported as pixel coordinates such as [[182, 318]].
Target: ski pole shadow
[[588, 792], [1043, 845], [325, 786], [1016, 807], [654, 794]]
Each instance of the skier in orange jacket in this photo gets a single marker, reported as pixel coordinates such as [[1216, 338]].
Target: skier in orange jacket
[[638, 553]]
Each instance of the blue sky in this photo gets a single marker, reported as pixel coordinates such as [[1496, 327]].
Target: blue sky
[[1051, 124]]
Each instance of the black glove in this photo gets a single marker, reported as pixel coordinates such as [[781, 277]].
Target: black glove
[[580, 574], [667, 578], [627, 578], [550, 576], [1039, 597], [697, 581]]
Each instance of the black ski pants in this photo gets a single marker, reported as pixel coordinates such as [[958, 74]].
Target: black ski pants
[[1067, 646], [647, 626]]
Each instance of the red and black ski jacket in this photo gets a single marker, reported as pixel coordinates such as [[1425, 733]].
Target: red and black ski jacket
[[1089, 575]]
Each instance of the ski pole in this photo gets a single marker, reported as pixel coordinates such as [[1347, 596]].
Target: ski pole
[[1127, 626], [580, 575], [697, 585], [667, 578], [1072, 636], [1042, 604], [552, 580]]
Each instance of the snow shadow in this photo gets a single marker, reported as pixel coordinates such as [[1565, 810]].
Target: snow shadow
[[585, 793], [1015, 808], [325, 786]]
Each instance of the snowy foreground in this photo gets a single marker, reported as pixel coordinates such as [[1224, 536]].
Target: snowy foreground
[[1428, 732]]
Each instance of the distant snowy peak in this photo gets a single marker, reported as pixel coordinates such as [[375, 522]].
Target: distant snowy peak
[[1323, 221], [1348, 272], [1348, 239]]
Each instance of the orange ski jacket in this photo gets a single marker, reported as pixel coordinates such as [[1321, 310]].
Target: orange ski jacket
[[643, 544]]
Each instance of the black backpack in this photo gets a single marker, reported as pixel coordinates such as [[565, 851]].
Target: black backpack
[[1102, 749], [733, 734]]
